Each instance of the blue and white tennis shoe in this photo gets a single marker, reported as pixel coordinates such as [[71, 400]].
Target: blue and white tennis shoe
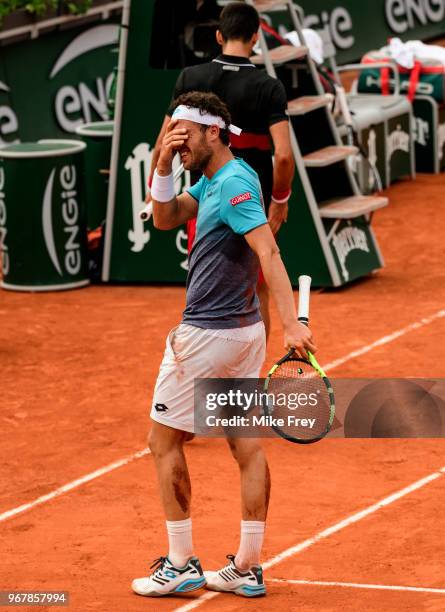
[[232, 580], [167, 579]]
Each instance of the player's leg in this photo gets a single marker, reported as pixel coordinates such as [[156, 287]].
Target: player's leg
[[254, 478], [166, 446], [190, 353], [180, 571], [255, 493], [243, 574], [172, 422]]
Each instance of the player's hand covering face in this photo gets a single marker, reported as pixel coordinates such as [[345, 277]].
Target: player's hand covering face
[[189, 140], [174, 139]]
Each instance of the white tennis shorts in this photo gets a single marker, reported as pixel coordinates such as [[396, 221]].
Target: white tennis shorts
[[192, 352]]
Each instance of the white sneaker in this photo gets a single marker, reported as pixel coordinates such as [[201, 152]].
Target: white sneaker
[[167, 579], [233, 580]]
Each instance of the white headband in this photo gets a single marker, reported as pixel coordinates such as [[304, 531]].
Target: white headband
[[190, 113]]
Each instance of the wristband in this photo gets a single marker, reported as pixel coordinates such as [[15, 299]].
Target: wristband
[[281, 197], [150, 181], [163, 187]]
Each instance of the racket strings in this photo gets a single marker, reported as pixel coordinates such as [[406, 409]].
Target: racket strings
[[295, 370], [299, 398]]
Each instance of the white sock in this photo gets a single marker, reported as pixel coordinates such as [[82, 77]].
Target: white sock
[[180, 541], [252, 536]]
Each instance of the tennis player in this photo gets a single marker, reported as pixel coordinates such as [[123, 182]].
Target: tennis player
[[257, 103], [221, 335]]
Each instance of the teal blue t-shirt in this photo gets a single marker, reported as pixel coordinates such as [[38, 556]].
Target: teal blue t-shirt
[[223, 269]]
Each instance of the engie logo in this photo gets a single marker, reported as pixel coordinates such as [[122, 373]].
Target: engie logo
[[339, 22], [76, 104], [241, 198], [9, 123], [403, 15], [66, 230]]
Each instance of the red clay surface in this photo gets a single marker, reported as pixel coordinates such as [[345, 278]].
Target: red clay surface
[[78, 369]]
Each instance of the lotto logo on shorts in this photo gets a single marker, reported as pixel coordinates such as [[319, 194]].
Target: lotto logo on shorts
[[241, 198]]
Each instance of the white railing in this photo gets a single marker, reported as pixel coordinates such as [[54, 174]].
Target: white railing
[[33, 29]]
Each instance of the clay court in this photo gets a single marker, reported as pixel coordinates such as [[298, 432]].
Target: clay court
[[78, 370]]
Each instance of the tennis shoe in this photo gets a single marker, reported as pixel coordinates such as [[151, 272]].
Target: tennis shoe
[[167, 579], [232, 580]]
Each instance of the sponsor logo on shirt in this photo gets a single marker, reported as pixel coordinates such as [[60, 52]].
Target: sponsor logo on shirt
[[241, 198]]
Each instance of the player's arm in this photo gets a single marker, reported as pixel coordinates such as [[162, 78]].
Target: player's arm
[[156, 153], [284, 164], [296, 334], [179, 210], [179, 88], [170, 210], [242, 211]]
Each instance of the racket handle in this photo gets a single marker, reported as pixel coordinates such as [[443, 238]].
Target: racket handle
[[304, 289], [178, 172], [145, 213]]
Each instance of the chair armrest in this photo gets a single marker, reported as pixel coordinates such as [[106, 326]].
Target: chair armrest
[[391, 65]]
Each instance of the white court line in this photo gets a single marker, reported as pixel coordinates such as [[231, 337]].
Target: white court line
[[358, 585], [73, 484], [384, 340], [113, 466], [350, 520]]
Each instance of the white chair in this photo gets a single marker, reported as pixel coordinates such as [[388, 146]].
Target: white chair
[[372, 112]]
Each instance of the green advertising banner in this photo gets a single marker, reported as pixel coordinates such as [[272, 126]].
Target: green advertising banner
[[42, 216], [357, 26], [51, 85], [149, 64], [135, 251]]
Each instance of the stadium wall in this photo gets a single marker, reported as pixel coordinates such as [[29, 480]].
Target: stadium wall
[[53, 79]]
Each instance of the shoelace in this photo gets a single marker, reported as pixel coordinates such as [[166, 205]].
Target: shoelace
[[232, 565], [158, 565], [229, 565]]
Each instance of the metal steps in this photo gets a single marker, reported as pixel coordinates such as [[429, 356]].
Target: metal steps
[[328, 155], [280, 55], [307, 104], [352, 207], [342, 224]]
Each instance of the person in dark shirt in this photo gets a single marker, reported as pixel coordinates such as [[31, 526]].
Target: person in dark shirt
[[257, 104], [187, 34]]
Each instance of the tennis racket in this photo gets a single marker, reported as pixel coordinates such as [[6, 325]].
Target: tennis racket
[[298, 397]]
